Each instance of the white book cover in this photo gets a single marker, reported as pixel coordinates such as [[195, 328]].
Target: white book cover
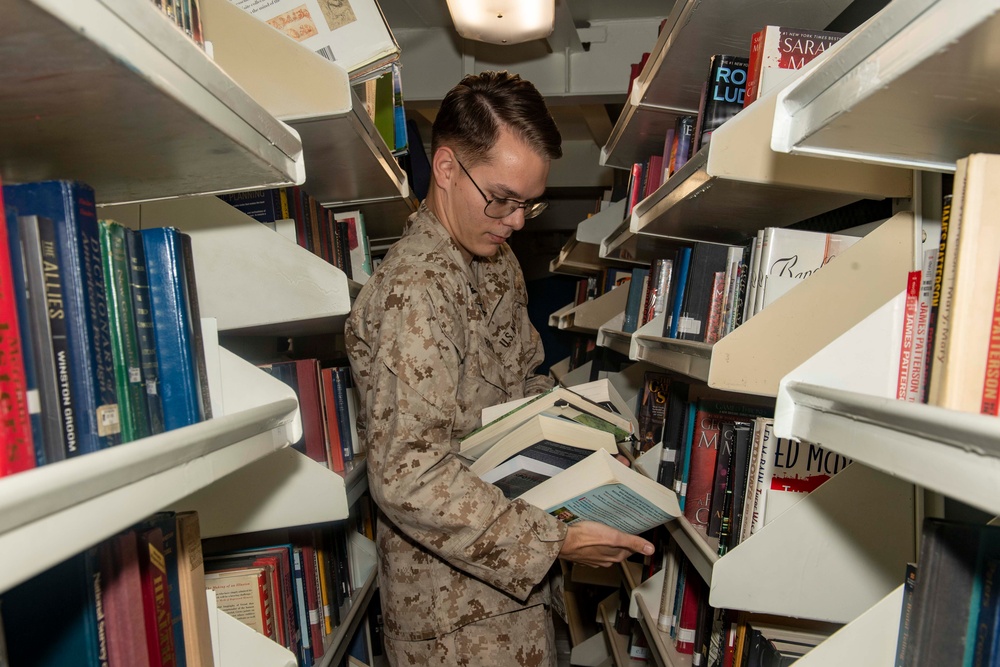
[[789, 256]]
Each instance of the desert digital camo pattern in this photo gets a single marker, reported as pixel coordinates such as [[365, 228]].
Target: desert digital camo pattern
[[432, 341]]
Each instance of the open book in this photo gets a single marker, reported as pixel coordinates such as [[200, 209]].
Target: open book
[[560, 402], [600, 488]]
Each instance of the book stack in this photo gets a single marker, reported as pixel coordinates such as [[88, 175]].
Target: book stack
[[101, 328], [556, 452], [339, 238]]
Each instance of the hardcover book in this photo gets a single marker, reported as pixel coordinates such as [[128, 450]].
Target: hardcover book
[[142, 309], [777, 51], [132, 404], [600, 488], [90, 376], [172, 328], [722, 96]]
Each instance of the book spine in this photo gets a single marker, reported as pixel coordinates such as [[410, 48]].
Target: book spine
[[990, 404], [909, 329], [17, 452], [753, 67], [307, 374], [124, 345], [302, 608], [156, 598], [45, 299], [942, 329], [333, 444], [343, 413], [721, 482], [932, 328], [190, 284], [678, 301], [171, 328], [142, 310], [71, 207]]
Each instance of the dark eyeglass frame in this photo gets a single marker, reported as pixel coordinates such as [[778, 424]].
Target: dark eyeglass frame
[[532, 207]]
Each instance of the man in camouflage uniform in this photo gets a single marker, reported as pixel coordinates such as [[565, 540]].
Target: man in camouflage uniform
[[437, 334]]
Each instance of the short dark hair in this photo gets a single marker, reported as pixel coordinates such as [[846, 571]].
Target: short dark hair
[[474, 111]]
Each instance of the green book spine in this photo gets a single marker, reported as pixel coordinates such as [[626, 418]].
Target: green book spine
[[124, 342]]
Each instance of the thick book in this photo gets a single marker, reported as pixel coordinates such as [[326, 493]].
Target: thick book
[[334, 450], [600, 488], [776, 52], [17, 449], [191, 582], [88, 362], [51, 620], [44, 286], [197, 338], [558, 401], [173, 330], [962, 360], [121, 587], [722, 96], [156, 598], [707, 259], [142, 310], [132, 402]]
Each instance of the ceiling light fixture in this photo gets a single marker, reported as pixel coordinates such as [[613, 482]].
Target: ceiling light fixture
[[503, 21]]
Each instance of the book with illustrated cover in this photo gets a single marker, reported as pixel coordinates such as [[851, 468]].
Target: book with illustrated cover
[[722, 96], [353, 34], [600, 488], [798, 469], [651, 410]]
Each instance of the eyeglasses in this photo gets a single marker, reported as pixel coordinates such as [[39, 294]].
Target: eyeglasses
[[501, 207]]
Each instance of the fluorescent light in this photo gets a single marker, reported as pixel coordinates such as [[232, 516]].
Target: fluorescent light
[[503, 21]]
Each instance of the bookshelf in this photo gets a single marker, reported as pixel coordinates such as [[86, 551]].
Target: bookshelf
[[180, 130], [581, 254], [171, 101], [670, 83], [921, 50], [347, 162], [591, 315], [62, 509]]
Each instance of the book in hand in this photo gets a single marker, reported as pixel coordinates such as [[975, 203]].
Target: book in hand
[[558, 401], [540, 448], [600, 488]]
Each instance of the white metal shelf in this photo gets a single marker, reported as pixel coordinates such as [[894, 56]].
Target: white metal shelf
[[670, 83], [912, 87], [52, 512], [110, 92], [867, 641], [590, 316], [347, 162], [240, 262], [645, 609], [737, 185], [581, 256]]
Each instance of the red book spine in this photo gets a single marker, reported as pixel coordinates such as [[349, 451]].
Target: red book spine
[[307, 373], [909, 327], [704, 450], [688, 620], [17, 453], [155, 599], [991, 383], [312, 600], [753, 69]]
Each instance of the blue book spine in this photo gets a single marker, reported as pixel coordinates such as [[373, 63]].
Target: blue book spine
[[56, 619], [633, 303], [143, 311], [681, 278], [28, 353], [172, 328], [70, 206], [301, 606], [341, 380]]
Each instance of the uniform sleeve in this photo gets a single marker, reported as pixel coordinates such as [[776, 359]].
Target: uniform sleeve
[[414, 475]]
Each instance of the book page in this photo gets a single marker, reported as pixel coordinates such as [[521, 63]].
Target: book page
[[615, 505]]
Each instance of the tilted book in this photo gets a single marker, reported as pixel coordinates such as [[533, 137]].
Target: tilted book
[[722, 96], [600, 488], [558, 401]]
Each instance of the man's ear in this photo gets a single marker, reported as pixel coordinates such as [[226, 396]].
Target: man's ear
[[443, 167]]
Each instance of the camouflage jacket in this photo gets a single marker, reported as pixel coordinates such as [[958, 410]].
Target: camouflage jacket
[[432, 341]]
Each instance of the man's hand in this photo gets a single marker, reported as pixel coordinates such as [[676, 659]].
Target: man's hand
[[597, 545]]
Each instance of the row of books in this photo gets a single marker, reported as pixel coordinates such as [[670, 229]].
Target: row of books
[[731, 474], [950, 351], [707, 290], [327, 407], [186, 15], [732, 84], [721, 636], [338, 238], [100, 328], [137, 599], [382, 97]]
